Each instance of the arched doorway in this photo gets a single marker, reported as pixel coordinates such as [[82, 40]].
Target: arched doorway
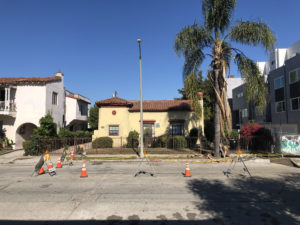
[[23, 133]]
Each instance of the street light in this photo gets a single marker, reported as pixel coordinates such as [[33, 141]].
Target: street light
[[141, 101]]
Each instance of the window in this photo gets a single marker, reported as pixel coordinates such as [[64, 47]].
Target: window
[[176, 129], [239, 95], [278, 83], [149, 130], [113, 130], [295, 103], [279, 106], [2, 95], [294, 76], [83, 109], [54, 98], [244, 113]]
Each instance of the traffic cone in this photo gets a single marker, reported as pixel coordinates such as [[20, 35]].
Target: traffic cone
[[50, 165], [58, 164], [41, 171], [83, 171], [72, 156], [187, 170]]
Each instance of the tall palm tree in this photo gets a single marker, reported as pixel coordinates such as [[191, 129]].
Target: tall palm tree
[[214, 39]]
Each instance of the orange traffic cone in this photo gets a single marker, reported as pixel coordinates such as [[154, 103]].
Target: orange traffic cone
[[41, 171], [83, 171], [50, 165], [58, 164], [72, 156], [187, 170]]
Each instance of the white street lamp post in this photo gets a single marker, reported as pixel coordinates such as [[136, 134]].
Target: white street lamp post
[[141, 102]]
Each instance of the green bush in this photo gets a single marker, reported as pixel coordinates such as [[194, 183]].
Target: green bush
[[65, 133], [209, 130], [176, 142], [133, 139], [160, 142], [102, 142], [193, 137], [234, 135], [29, 148]]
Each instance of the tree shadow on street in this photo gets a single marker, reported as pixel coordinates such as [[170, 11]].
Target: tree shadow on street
[[253, 200]]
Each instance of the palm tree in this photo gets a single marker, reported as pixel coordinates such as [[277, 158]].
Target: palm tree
[[213, 39]]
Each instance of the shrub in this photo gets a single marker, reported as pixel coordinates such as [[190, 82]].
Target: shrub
[[193, 133], [29, 149], [176, 142], [160, 142], [79, 133], [193, 137], [133, 139], [234, 135], [262, 140], [209, 130], [102, 142], [65, 133]]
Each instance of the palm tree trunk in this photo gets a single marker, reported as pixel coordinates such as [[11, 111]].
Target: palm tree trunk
[[217, 115]]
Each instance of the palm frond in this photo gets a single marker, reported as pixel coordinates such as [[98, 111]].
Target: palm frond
[[253, 33], [190, 42], [217, 14], [255, 86]]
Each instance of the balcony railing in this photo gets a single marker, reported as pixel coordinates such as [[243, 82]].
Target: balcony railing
[[10, 107]]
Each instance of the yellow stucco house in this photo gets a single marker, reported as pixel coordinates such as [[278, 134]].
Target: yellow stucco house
[[117, 117]]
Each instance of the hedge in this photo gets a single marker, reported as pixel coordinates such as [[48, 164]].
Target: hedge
[[102, 142]]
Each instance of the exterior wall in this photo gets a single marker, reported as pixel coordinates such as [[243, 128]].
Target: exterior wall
[[233, 83], [79, 116], [293, 50], [57, 111], [71, 109]]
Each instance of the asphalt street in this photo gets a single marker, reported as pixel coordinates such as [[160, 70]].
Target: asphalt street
[[111, 194]]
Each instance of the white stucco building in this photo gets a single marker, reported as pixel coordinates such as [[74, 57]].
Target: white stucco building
[[23, 101], [77, 109]]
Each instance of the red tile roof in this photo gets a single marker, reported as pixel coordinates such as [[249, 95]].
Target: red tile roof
[[115, 101], [162, 106], [148, 106], [19, 80]]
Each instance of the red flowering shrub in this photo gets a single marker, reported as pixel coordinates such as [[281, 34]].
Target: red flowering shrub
[[255, 137], [248, 130]]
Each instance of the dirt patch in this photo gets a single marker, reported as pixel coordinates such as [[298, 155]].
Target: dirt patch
[[282, 161]]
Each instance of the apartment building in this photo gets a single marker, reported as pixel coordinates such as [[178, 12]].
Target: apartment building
[[282, 75]]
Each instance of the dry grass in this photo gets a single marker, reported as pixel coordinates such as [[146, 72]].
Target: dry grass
[[125, 151]]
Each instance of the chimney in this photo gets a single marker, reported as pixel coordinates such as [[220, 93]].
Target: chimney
[[59, 74]]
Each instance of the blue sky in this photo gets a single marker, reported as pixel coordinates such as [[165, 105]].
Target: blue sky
[[93, 42]]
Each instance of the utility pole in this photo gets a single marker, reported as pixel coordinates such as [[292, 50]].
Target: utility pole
[[141, 102]]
